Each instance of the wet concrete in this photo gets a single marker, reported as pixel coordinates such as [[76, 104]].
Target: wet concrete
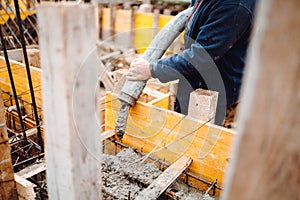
[[124, 177], [184, 192]]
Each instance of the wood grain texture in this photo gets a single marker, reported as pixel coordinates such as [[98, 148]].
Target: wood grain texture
[[161, 183], [266, 163], [203, 105], [70, 89], [32, 170]]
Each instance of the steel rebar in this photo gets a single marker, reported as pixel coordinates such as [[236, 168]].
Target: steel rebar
[[12, 32], [6, 34], [23, 27], [165, 164], [37, 119], [13, 86]]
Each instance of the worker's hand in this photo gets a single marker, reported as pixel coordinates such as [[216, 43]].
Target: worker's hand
[[139, 70]]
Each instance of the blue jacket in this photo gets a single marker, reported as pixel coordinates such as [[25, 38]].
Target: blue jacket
[[216, 41]]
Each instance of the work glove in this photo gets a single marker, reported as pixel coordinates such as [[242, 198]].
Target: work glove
[[139, 70]]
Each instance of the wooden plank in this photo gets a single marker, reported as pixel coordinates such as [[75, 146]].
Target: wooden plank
[[203, 105], [70, 87], [8, 188], [14, 54], [32, 170], [266, 158], [159, 185], [162, 102], [25, 188], [107, 134], [153, 92], [174, 135], [102, 113]]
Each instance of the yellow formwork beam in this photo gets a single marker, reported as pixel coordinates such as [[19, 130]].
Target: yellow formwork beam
[[24, 11], [143, 25], [21, 82], [170, 135], [143, 31]]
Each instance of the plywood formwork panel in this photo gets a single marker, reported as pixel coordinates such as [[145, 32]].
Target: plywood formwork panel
[[169, 135], [21, 82]]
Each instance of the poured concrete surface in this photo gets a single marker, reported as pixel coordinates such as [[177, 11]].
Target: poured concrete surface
[[124, 177]]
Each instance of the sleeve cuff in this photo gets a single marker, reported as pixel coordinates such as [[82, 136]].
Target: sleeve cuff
[[153, 69]]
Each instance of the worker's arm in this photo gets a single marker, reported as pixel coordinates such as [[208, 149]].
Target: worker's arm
[[224, 26]]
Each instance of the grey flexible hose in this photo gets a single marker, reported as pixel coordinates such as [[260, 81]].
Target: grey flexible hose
[[133, 89]]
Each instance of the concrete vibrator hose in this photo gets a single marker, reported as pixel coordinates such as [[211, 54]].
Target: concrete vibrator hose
[[133, 89]]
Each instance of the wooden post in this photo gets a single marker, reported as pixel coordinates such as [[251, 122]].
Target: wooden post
[[8, 188], [25, 188], [266, 157], [113, 13], [173, 94], [132, 25], [145, 8], [70, 87], [100, 13], [203, 105], [14, 54]]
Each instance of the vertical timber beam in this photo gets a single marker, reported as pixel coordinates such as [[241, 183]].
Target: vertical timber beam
[[132, 25], [8, 189], [266, 157], [173, 94], [70, 92], [112, 24]]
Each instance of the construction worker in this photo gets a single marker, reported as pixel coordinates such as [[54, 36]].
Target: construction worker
[[216, 37]]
